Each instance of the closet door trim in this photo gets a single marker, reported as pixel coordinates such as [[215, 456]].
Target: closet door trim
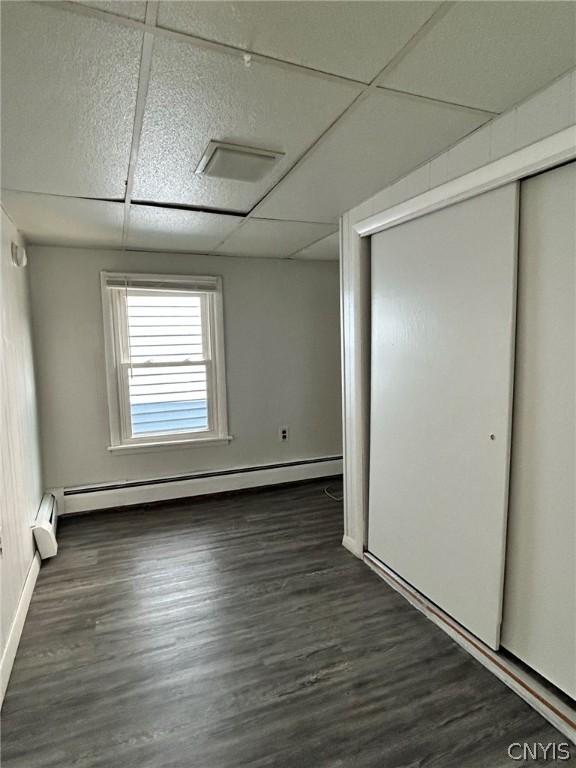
[[554, 150], [354, 269]]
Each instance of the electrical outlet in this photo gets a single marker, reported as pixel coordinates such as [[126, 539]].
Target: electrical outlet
[[283, 434]]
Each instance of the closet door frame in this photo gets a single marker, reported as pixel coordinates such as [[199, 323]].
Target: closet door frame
[[355, 303]]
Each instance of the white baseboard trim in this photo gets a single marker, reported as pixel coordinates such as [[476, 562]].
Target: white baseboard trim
[[527, 686], [85, 499], [15, 631], [352, 546]]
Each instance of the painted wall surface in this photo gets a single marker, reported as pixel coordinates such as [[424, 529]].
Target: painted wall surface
[[20, 477], [281, 321]]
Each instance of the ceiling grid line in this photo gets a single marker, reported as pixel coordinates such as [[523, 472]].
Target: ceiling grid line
[[239, 52], [438, 14], [71, 197], [141, 94], [170, 77], [195, 40], [310, 245], [434, 100], [366, 90]]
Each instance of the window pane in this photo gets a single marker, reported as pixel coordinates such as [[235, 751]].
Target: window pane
[[164, 328], [168, 399]]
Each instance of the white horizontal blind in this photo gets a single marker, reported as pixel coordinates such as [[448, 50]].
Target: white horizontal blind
[[166, 361]]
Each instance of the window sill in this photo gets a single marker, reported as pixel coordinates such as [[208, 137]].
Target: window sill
[[195, 442]]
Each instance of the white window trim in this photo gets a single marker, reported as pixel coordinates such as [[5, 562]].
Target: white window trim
[[118, 412]]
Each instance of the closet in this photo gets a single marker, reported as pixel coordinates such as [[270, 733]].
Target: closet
[[471, 485], [539, 620]]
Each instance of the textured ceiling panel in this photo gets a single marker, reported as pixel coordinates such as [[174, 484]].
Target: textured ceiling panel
[[274, 239], [327, 249], [177, 230], [383, 138], [133, 9], [350, 39], [196, 95], [490, 55], [53, 220], [68, 96]]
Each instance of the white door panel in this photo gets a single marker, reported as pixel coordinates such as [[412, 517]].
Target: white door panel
[[443, 309], [539, 620]]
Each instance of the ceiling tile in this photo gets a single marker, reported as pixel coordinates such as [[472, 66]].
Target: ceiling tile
[[349, 39], [53, 220], [383, 138], [274, 239], [68, 96], [327, 249], [196, 95], [490, 55], [171, 229], [133, 9]]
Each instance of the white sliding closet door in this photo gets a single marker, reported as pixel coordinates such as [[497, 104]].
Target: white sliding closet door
[[443, 317], [539, 623]]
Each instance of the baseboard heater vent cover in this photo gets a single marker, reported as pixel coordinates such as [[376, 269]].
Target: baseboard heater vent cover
[[44, 527]]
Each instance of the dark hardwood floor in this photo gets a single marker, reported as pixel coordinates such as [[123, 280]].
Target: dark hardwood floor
[[236, 631]]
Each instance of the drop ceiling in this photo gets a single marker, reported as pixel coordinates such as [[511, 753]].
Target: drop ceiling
[[350, 39], [108, 105], [68, 96], [261, 237], [196, 95], [172, 229], [70, 221], [499, 53], [369, 148]]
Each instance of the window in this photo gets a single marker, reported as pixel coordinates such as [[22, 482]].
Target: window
[[165, 359]]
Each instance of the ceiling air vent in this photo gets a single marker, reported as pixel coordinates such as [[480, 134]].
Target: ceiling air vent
[[233, 161]]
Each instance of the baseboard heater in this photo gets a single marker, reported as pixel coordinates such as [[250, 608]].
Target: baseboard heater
[[130, 492], [44, 527]]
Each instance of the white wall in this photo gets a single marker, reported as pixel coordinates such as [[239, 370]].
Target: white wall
[[282, 357], [20, 478]]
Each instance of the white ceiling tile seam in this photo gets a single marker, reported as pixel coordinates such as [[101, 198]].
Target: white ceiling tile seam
[[437, 16], [273, 238], [420, 97], [295, 221], [60, 194], [310, 245], [222, 242], [195, 40], [142, 93]]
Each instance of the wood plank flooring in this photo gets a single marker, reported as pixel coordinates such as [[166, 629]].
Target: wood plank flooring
[[236, 631]]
